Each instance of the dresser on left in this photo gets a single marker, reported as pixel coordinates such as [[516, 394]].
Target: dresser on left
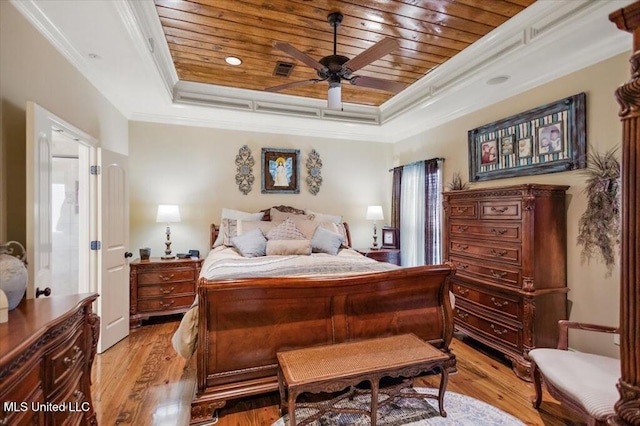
[[46, 352]]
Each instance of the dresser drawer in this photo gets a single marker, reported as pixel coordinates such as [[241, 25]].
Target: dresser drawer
[[162, 290], [509, 336], [172, 276], [26, 390], [487, 272], [502, 209], [66, 358], [74, 401], [165, 303], [489, 251], [509, 306], [508, 231], [463, 210]]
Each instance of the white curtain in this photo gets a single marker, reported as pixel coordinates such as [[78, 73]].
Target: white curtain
[[412, 215]]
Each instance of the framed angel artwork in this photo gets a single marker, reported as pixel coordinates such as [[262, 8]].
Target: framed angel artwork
[[280, 171]]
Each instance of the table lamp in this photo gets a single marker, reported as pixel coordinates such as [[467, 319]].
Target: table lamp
[[167, 214], [375, 213]]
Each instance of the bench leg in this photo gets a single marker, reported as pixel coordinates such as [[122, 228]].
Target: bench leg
[[537, 385], [374, 400], [443, 387], [292, 408]]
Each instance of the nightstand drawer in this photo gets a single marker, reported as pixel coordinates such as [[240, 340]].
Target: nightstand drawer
[[170, 276], [165, 303], [166, 289]]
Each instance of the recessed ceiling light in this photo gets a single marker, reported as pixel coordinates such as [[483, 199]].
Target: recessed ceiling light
[[93, 56], [232, 60], [498, 80]]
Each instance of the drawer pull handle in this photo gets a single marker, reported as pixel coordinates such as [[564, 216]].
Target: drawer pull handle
[[163, 278], [498, 274], [499, 304], [462, 228], [499, 210], [70, 361], [168, 291], [498, 253], [463, 291], [462, 266], [166, 305], [495, 231], [78, 395], [498, 332], [462, 247], [462, 315], [462, 209]]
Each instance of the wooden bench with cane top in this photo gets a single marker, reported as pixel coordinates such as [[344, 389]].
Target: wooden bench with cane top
[[336, 367]]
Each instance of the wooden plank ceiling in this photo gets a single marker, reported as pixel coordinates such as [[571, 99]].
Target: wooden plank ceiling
[[202, 33]]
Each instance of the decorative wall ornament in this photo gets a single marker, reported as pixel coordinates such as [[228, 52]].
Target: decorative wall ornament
[[244, 169], [314, 167]]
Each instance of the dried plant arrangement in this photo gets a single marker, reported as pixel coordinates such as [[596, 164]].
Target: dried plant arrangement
[[456, 183], [599, 225]]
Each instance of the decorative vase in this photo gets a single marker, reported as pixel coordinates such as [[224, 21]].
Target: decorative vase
[[13, 273]]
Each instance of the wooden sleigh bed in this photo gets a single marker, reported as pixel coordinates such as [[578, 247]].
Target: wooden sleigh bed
[[244, 322]]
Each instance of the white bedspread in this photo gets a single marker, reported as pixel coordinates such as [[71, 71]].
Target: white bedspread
[[225, 262]]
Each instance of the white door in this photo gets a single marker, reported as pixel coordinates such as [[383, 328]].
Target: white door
[[38, 244], [113, 217]]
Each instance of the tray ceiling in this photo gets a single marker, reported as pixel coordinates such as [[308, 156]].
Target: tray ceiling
[[201, 33]]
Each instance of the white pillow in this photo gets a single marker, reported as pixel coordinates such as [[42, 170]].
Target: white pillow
[[235, 214], [321, 217]]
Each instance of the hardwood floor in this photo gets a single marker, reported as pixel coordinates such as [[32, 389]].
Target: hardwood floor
[[141, 381]]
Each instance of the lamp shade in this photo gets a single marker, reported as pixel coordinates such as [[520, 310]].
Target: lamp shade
[[374, 213], [334, 96], [168, 213]]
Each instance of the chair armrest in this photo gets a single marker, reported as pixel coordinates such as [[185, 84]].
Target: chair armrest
[[564, 326]]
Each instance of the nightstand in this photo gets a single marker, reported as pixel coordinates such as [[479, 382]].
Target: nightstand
[[382, 255], [161, 287]]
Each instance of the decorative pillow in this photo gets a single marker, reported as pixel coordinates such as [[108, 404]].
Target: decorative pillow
[[322, 217], [325, 241], [234, 214], [278, 216], [287, 230], [251, 244], [288, 247], [232, 228]]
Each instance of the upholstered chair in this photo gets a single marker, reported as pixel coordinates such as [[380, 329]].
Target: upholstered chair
[[584, 382]]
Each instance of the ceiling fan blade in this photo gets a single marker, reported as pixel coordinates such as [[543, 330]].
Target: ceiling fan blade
[[301, 56], [373, 53], [377, 83], [290, 85]]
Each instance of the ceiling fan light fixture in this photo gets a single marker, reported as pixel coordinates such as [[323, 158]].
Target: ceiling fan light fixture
[[334, 96], [232, 60]]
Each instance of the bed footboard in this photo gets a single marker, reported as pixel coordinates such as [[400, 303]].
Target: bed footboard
[[243, 323]]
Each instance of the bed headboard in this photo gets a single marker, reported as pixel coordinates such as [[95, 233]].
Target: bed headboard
[[215, 229]]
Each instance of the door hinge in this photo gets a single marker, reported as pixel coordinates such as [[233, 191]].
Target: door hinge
[[95, 245], [94, 170]]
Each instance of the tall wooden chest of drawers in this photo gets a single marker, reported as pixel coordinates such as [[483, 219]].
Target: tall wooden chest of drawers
[[509, 247], [161, 287], [46, 352]]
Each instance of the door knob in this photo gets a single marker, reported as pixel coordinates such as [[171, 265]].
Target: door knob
[[128, 254], [46, 292]]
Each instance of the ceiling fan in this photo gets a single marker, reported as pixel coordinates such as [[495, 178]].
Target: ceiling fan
[[337, 68]]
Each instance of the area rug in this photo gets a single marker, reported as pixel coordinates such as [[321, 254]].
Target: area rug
[[461, 410]]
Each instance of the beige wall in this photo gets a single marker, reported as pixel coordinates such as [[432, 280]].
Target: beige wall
[[594, 296], [195, 168], [31, 69]]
